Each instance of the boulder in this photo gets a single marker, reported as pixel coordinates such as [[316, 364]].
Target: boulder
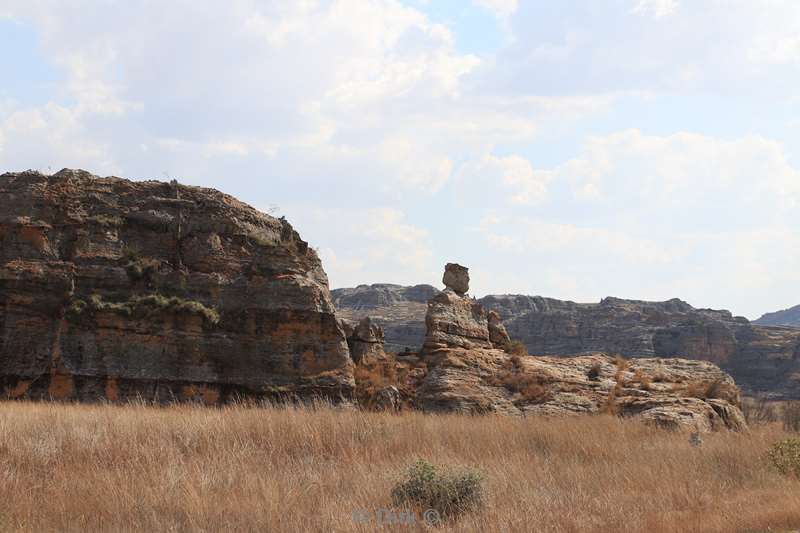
[[456, 278]]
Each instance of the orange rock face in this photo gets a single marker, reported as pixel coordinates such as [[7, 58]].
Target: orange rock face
[[112, 289]]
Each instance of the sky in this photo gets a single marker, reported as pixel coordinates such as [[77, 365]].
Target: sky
[[645, 149]]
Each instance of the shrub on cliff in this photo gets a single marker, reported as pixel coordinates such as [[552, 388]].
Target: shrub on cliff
[[143, 306], [449, 493]]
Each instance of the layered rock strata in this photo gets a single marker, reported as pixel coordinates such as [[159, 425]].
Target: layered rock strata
[[113, 289]]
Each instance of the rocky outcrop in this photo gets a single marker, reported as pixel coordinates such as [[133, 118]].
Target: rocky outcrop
[[366, 341], [400, 311], [788, 317], [454, 320], [762, 359], [498, 335], [116, 289], [466, 372]]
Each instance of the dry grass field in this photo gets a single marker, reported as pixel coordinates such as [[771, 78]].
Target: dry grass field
[[141, 468]]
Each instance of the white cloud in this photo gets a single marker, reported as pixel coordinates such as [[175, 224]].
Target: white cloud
[[395, 141], [735, 47], [710, 220], [513, 173], [49, 138], [523, 234], [260, 78], [501, 8], [655, 8], [686, 171]]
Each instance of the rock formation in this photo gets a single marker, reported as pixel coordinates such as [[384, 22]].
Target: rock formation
[[762, 359], [117, 289], [365, 340], [456, 278], [466, 372], [400, 311]]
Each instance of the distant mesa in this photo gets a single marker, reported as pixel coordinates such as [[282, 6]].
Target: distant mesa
[[788, 317]]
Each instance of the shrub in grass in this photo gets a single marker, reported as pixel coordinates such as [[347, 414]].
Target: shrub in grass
[[785, 456], [448, 492]]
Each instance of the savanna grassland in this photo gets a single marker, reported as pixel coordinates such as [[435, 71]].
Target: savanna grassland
[[245, 468]]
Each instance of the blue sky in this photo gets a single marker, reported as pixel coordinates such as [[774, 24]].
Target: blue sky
[[636, 148]]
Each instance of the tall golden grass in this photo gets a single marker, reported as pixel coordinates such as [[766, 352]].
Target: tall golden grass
[[240, 468]]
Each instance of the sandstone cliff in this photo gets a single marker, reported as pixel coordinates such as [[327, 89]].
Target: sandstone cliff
[[117, 289], [763, 360]]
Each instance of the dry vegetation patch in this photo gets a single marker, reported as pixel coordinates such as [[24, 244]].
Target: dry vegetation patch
[[244, 468]]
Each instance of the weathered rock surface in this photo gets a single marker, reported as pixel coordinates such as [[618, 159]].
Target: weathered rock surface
[[763, 360], [117, 289], [456, 278], [787, 317], [366, 341], [400, 311], [465, 372], [454, 320], [498, 335]]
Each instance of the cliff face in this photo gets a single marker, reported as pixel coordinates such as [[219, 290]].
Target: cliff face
[[762, 359], [117, 289]]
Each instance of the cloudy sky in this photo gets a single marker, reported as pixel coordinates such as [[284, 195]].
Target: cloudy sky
[[645, 149]]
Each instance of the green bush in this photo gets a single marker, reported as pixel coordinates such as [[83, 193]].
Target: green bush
[[785, 456], [449, 493]]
